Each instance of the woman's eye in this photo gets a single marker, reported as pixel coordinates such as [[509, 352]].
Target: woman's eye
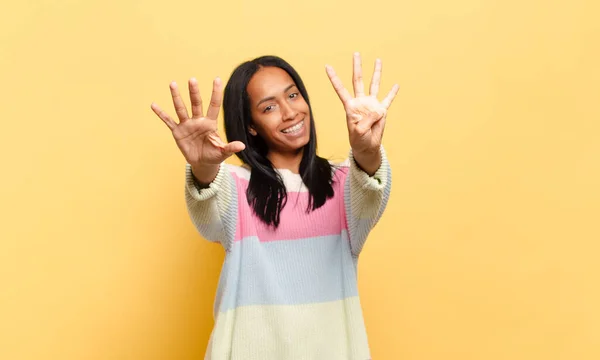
[[268, 108], [293, 95]]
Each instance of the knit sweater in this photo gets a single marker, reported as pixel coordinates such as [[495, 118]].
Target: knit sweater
[[289, 293]]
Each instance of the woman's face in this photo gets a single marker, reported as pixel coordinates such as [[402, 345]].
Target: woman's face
[[280, 115]]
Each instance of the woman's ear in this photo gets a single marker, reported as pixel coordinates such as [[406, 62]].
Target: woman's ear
[[252, 131]]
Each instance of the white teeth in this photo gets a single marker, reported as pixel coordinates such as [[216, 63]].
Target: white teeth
[[294, 128]]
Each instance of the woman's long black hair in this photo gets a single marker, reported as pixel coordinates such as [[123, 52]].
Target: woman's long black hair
[[266, 191]]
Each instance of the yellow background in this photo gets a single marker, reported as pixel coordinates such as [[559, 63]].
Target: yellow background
[[488, 249]]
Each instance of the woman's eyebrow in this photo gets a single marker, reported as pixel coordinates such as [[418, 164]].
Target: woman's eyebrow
[[273, 97]]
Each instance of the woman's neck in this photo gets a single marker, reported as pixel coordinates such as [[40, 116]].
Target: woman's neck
[[289, 161]]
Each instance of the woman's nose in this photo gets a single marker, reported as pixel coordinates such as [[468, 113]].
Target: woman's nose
[[288, 112]]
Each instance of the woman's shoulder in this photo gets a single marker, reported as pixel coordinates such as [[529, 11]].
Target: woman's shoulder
[[340, 164], [239, 171], [340, 170], [340, 167]]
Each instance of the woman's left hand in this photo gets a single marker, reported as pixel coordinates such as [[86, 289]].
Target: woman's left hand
[[365, 114]]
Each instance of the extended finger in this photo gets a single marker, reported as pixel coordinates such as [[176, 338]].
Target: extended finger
[[215, 100], [339, 88], [163, 116], [357, 77], [197, 111], [374, 90], [390, 96], [180, 108]]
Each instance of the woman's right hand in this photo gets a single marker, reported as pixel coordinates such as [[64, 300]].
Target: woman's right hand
[[197, 136]]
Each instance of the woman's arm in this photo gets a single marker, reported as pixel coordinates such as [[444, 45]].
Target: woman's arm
[[210, 190], [368, 185], [365, 199], [213, 207]]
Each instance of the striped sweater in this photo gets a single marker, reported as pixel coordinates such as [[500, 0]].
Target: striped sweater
[[289, 293]]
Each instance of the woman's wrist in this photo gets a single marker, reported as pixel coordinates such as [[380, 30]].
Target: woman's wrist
[[205, 173], [368, 160]]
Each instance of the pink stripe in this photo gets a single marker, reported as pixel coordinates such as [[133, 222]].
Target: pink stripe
[[329, 219]]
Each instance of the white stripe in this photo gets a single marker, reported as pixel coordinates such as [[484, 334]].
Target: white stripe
[[332, 330], [293, 182]]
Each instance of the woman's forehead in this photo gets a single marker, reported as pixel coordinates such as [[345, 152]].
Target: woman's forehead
[[269, 81]]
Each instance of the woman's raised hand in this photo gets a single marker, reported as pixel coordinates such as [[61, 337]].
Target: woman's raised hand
[[197, 136], [365, 114]]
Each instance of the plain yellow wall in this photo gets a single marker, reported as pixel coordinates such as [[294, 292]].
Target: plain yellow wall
[[489, 246]]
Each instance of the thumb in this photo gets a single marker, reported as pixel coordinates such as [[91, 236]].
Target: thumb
[[233, 147]]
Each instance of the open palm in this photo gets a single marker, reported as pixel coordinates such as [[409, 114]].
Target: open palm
[[197, 136], [365, 114]]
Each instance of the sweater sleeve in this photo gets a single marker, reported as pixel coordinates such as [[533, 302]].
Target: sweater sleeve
[[365, 199], [213, 210]]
